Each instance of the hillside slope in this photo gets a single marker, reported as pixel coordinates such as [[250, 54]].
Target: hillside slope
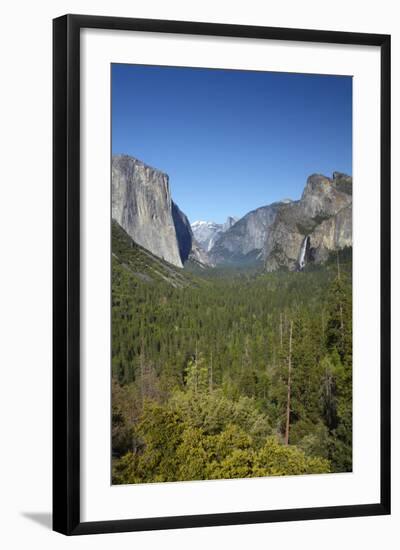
[[132, 263]]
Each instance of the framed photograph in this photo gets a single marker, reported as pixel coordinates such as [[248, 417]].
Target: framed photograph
[[221, 274]]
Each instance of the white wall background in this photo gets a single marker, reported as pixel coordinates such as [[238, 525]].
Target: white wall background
[[25, 273]]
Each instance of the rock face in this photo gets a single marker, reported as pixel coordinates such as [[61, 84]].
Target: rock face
[[141, 204], [199, 256], [230, 220], [309, 229], [245, 239]]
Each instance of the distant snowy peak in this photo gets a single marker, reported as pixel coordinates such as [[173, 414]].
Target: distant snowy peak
[[204, 225], [206, 232]]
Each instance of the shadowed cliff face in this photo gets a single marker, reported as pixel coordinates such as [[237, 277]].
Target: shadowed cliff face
[[189, 248], [183, 232], [141, 204], [324, 214]]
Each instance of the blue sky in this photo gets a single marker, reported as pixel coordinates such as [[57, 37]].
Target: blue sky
[[232, 141]]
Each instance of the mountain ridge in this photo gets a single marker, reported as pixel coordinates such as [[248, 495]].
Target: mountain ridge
[[285, 234]]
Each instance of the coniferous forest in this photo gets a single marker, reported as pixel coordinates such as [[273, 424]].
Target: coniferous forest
[[228, 373]]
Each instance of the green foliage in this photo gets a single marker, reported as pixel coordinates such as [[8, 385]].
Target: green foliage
[[213, 412], [200, 370], [197, 375], [305, 404], [339, 326], [339, 343], [275, 459], [173, 449]]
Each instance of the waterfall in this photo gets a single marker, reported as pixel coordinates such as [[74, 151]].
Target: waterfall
[[303, 251]]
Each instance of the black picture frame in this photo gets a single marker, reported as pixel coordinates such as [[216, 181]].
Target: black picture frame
[[66, 273]]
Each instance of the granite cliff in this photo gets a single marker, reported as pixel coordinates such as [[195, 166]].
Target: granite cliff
[[244, 240], [142, 206], [309, 229]]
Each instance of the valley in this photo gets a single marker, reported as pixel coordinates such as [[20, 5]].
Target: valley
[[231, 343], [227, 369]]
